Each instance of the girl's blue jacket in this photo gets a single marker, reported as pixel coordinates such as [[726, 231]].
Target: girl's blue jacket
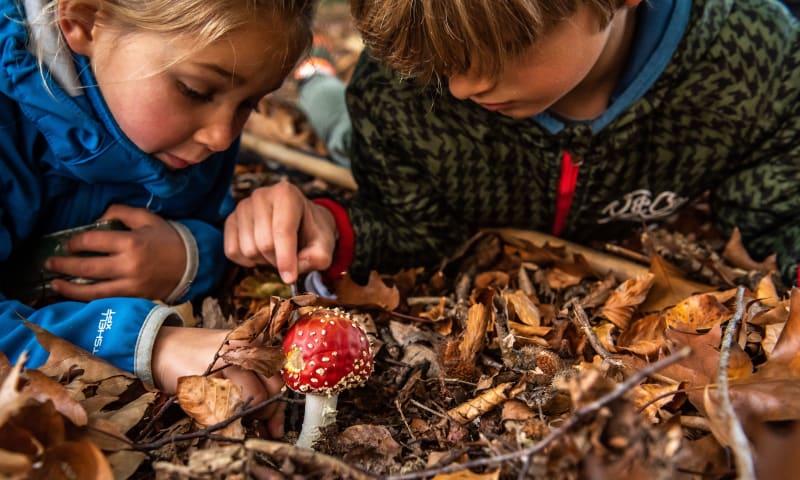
[[63, 162]]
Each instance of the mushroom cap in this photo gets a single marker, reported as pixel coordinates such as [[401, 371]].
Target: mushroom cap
[[326, 352]]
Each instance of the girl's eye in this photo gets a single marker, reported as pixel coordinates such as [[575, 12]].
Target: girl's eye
[[194, 94], [251, 106]]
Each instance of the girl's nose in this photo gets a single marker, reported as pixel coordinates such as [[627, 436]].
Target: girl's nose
[[219, 132], [465, 86]]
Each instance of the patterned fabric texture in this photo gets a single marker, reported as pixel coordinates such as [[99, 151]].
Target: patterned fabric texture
[[723, 117]]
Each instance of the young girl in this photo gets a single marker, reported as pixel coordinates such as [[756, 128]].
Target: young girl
[[583, 118], [131, 109]]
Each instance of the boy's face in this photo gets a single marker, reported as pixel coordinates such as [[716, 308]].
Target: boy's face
[[179, 105], [560, 72]]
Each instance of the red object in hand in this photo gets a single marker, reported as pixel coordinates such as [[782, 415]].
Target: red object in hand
[[326, 352]]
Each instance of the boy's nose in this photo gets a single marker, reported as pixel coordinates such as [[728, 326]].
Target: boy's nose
[[465, 86]]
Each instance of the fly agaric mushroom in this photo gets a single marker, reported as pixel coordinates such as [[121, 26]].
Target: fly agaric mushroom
[[326, 352]]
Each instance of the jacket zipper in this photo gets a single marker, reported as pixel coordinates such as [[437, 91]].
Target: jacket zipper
[[566, 191]]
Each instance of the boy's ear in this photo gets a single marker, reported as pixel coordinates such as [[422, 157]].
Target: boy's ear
[[77, 21]]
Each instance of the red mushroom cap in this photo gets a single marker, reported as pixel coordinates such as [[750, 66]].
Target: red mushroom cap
[[326, 352]]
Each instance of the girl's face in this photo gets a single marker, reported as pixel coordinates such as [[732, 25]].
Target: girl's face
[[560, 71], [181, 105]]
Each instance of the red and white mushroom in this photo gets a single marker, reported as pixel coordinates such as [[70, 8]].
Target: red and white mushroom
[[326, 352]]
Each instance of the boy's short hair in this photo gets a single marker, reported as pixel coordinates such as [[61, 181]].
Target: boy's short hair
[[425, 39]]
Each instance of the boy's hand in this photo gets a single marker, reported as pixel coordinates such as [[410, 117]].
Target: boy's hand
[[180, 351], [147, 261], [278, 225]]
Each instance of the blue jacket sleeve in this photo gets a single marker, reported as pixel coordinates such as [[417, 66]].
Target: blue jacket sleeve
[[210, 257], [121, 331]]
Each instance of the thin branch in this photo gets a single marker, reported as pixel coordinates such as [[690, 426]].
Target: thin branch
[[578, 315], [740, 445], [207, 431], [576, 417]]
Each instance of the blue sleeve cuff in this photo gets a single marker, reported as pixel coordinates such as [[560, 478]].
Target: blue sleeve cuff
[[211, 260]]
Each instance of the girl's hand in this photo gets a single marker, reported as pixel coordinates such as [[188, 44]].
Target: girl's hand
[[181, 351], [147, 262], [278, 225]]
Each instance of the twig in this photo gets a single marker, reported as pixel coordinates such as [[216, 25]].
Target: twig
[[399, 408], [302, 161], [319, 462], [206, 432], [429, 410], [626, 253], [578, 316], [160, 413], [504, 338], [740, 445], [577, 416]]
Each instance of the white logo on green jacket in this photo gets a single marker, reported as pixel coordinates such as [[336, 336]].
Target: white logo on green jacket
[[642, 205]]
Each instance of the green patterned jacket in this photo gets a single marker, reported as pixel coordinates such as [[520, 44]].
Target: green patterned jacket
[[723, 116]]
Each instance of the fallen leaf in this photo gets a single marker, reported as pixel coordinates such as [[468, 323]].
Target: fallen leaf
[[211, 400], [621, 304], [737, 255], [261, 359], [375, 292], [669, 286]]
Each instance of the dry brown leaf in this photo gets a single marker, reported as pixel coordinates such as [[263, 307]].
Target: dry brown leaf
[[787, 350], [475, 407], [107, 435], [261, 359], [737, 255], [210, 400], [720, 421], [468, 475], [374, 293], [77, 459], [524, 308], [130, 414], [474, 335], [622, 302], [772, 393], [10, 397], [491, 279], [655, 396], [559, 279], [767, 293], [605, 332], [124, 463], [645, 336], [66, 357], [698, 312], [437, 312], [35, 427], [669, 286], [43, 388], [516, 410], [262, 286], [377, 438], [528, 331], [14, 465], [254, 325]]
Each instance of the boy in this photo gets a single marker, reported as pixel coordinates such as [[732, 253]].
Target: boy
[[579, 118]]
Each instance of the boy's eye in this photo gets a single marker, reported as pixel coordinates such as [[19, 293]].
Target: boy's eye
[[194, 94]]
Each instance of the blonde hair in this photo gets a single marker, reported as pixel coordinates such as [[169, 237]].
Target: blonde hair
[[428, 38], [205, 21]]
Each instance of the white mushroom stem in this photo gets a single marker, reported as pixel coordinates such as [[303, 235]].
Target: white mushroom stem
[[320, 411]]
